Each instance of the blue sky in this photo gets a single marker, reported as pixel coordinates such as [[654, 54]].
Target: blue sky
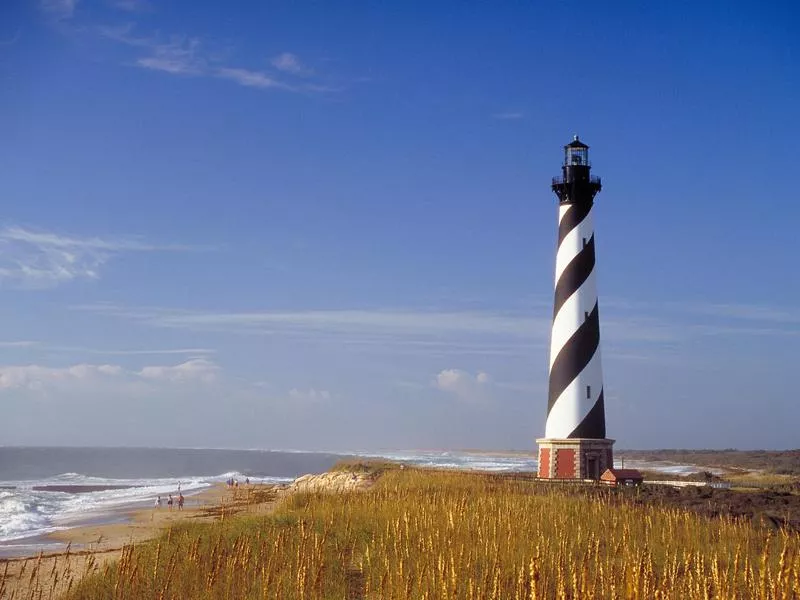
[[329, 226]]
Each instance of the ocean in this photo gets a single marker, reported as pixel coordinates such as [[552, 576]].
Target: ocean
[[43, 489], [47, 489]]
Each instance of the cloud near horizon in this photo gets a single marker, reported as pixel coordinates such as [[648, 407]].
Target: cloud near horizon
[[40, 378], [465, 386], [196, 369]]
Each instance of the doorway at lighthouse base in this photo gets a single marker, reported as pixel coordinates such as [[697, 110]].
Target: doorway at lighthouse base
[[576, 458]]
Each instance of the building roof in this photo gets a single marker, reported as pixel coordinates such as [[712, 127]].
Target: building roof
[[576, 143], [612, 474]]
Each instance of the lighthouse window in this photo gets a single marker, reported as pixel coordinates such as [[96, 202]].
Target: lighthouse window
[[577, 156], [588, 392]]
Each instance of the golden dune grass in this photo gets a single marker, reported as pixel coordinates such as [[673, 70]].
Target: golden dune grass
[[433, 535]]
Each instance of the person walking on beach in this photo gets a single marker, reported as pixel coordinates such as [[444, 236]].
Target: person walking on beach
[[158, 503], [180, 501], [169, 502]]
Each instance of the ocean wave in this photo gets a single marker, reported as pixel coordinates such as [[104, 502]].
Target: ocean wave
[[22, 515], [29, 508], [460, 460]]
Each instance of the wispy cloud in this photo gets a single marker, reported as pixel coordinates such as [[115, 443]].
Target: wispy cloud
[[341, 321], [118, 244], [11, 40], [638, 330], [290, 63], [58, 348], [508, 116], [309, 395], [448, 346], [197, 369], [124, 35], [188, 56], [39, 259], [177, 55], [262, 80], [765, 313], [713, 318], [378, 326], [738, 330], [134, 352], [254, 79], [134, 6], [58, 9], [180, 56], [748, 312]]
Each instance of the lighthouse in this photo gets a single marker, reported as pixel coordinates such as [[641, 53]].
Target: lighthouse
[[575, 444]]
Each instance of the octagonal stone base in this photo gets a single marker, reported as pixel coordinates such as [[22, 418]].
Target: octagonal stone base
[[575, 458]]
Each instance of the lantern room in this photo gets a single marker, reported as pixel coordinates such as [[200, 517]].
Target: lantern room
[[576, 154]]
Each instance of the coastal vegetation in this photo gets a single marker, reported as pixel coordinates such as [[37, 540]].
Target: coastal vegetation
[[425, 534]]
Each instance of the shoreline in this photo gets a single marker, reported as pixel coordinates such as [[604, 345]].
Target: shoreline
[[83, 549], [131, 521], [119, 514], [105, 522]]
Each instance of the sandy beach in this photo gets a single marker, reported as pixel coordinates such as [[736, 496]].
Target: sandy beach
[[87, 548]]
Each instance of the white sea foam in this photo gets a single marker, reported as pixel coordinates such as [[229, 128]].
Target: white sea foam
[[20, 512], [460, 460], [511, 462], [667, 467], [27, 512]]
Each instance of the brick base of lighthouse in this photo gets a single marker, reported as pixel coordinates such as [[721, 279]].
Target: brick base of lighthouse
[[576, 458]]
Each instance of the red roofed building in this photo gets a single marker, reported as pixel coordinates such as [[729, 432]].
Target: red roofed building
[[622, 477]]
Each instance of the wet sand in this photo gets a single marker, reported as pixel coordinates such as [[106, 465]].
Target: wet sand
[[139, 524]]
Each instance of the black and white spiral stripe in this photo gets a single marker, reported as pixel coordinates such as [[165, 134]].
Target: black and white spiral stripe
[[575, 402]]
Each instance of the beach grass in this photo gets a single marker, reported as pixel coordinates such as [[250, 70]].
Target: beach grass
[[420, 534]]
